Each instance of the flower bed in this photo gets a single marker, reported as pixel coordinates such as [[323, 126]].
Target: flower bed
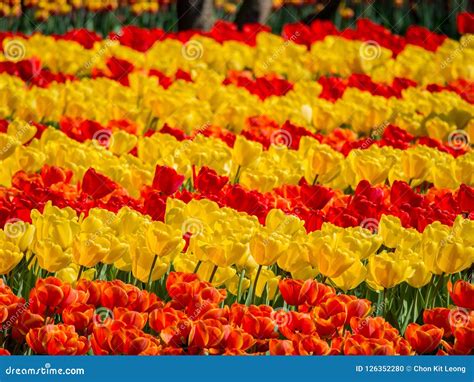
[[237, 192]]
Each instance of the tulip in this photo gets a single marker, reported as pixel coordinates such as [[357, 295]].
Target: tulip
[[416, 163], [291, 291], [25, 323], [162, 240], [329, 317], [423, 339], [59, 225], [167, 180], [245, 152], [70, 273], [78, 315], [386, 270], [277, 221], [21, 233], [130, 317], [10, 255], [51, 256], [147, 265], [8, 145], [352, 277], [121, 339], [57, 340], [121, 142], [329, 258], [454, 256], [368, 327], [462, 293], [359, 345], [438, 317], [323, 164], [266, 247]]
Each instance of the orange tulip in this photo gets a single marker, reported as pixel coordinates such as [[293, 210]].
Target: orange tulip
[[281, 347], [359, 345], [51, 296], [78, 315], [162, 318], [236, 341], [438, 317], [57, 340], [369, 327], [310, 345], [329, 317], [118, 338], [424, 339], [25, 322], [130, 317]]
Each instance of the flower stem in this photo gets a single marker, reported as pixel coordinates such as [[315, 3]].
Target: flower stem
[[151, 269], [237, 174], [255, 283], [198, 265], [214, 271], [239, 288], [79, 274]]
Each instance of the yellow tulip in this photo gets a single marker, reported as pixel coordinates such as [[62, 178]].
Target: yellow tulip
[[245, 152], [8, 144], [416, 163], [454, 256], [70, 274], [51, 256], [21, 131], [122, 142], [10, 255], [59, 225], [164, 240], [90, 249], [387, 270], [295, 257], [21, 233], [330, 259], [146, 265], [323, 163], [278, 221], [351, 277], [266, 281], [266, 247]]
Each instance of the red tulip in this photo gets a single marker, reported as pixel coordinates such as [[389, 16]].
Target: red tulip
[[290, 290], [209, 182], [466, 198], [167, 180], [465, 22], [462, 294], [97, 185]]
